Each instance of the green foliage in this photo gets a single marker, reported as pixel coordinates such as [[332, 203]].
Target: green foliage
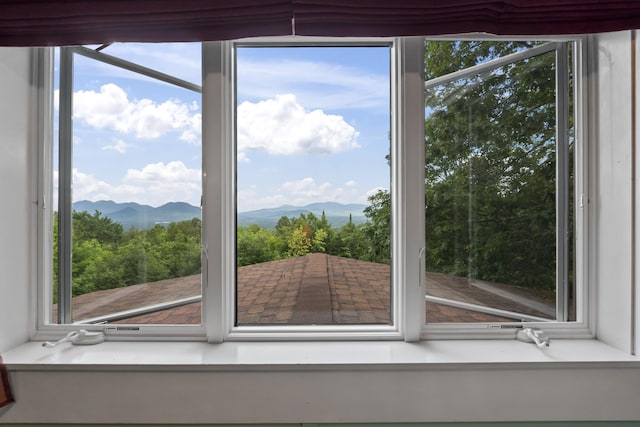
[[306, 234], [318, 242], [104, 256], [255, 244], [142, 259], [103, 229], [378, 226], [95, 267], [300, 241], [350, 242], [490, 166]]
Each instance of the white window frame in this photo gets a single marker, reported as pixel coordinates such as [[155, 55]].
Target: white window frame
[[583, 326], [407, 190], [219, 197], [46, 329]]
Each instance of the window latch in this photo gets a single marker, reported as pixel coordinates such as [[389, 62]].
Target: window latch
[[533, 336]]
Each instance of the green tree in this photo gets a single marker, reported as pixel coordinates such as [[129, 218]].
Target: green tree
[[490, 165], [378, 227], [141, 260], [95, 267], [180, 247], [104, 230], [300, 241], [350, 242], [319, 240], [255, 245], [104, 256]]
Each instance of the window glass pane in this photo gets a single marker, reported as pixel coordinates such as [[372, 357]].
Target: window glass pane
[[313, 180], [53, 297], [491, 187], [464, 54], [136, 188], [181, 60]]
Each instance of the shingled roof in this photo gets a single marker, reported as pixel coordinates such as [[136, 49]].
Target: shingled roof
[[312, 289]]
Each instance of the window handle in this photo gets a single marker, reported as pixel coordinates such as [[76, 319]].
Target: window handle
[[534, 336], [421, 267], [205, 268]]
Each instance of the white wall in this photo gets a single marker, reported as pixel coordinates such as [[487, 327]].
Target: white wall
[[16, 129], [327, 395], [612, 205]]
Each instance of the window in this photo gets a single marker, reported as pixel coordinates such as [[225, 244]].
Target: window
[[311, 175], [312, 147], [500, 182], [307, 148], [127, 220]]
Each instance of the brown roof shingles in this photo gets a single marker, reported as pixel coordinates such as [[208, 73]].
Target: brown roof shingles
[[312, 289], [360, 291]]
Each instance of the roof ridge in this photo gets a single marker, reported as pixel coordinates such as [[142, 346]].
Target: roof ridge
[[313, 304]]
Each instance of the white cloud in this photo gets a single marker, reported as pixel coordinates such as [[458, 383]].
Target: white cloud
[[193, 132], [154, 185], [283, 126], [88, 187], [168, 182], [174, 172], [242, 157], [306, 189], [318, 84], [111, 108], [119, 145]]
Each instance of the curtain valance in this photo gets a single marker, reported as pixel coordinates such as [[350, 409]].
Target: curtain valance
[[72, 22], [441, 17]]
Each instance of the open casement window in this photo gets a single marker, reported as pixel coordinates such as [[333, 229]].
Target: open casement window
[[503, 194], [127, 173]]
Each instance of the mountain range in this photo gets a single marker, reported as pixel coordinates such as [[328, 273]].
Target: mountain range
[[140, 216], [143, 216], [337, 214]]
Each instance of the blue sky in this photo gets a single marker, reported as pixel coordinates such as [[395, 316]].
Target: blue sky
[[313, 126]]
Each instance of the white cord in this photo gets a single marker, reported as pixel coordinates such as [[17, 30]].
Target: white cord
[[533, 335], [81, 337]]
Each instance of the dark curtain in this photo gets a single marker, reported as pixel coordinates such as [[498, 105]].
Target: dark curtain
[[71, 22], [76, 22], [440, 17]]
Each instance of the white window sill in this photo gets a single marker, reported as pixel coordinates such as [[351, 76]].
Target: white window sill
[[321, 382], [313, 355]]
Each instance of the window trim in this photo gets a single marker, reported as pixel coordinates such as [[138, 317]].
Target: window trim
[[219, 201], [218, 109]]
